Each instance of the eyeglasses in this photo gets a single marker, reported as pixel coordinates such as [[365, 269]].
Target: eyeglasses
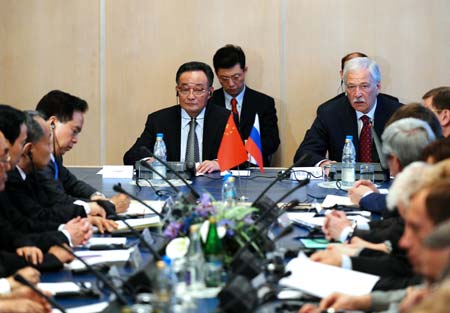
[[363, 87], [234, 78], [197, 91], [5, 159]]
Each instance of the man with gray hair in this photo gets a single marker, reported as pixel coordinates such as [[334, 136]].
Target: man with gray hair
[[362, 108]]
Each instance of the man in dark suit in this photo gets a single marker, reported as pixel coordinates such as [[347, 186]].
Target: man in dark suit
[[194, 88], [362, 108], [230, 68]]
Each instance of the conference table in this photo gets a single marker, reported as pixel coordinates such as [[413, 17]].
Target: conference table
[[250, 187]]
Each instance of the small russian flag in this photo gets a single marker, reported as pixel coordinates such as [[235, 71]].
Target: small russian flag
[[253, 145]]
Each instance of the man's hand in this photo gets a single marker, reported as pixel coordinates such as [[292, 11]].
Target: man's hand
[[103, 224], [414, 295], [326, 162], [340, 301], [62, 255], [359, 189], [29, 273], [22, 305], [31, 254], [208, 167], [121, 201], [359, 243], [309, 308], [80, 230], [329, 256], [334, 223], [96, 209], [345, 249]]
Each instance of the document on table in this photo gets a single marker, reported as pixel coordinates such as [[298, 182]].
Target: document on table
[[106, 241], [55, 288], [332, 200], [91, 308], [138, 223], [117, 171], [99, 257], [310, 219], [321, 280], [137, 208]]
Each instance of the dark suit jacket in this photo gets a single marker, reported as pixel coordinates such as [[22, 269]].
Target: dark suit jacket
[[168, 122], [36, 201], [374, 202], [254, 103], [336, 119], [11, 263], [68, 182]]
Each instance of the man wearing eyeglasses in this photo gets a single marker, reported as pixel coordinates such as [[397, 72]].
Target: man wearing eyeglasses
[[245, 103], [362, 108], [194, 88]]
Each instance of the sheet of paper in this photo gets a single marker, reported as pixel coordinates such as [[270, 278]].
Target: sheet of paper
[[138, 222], [331, 200], [236, 173], [321, 280], [137, 208], [55, 288], [118, 171], [107, 241], [92, 308], [309, 218], [99, 257]]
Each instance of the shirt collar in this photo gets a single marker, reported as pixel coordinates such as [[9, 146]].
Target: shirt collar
[[239, 97], [22, 173], [186, 119], [370, 114]]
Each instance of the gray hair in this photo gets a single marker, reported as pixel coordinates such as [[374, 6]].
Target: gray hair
[[34, 130], [406, 138], [363, 64], [407, 183]]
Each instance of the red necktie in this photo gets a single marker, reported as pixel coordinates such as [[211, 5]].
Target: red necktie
[[365, 141], [233, 103]]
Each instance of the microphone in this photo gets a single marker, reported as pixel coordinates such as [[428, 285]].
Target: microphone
[[155, 254], [282, 176], [302, 183], [378, 147], [193, 193], [151, 168], [118, 188], [19, 278], [97, 274]]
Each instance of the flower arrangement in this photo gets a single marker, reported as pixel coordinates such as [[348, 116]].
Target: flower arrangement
[[237, 221]]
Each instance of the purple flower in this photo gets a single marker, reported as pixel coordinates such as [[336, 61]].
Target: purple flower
[[248, 220], [172, 230], [205, 207], [229, 225]]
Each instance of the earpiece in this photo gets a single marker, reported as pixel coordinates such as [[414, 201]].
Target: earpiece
[[177, 94], [52, 125]]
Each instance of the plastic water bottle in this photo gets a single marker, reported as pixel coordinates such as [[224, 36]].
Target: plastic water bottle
[[348, 163], [160, 151], [229, 194]]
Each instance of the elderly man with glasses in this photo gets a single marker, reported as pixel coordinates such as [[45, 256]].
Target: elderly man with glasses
[[362, 108], [194, 88]]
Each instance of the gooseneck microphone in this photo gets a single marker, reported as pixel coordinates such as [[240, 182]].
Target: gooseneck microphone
[[19, 278], [193, 192], [151, 168], [155, 254], [99, 275], [118, 188], [282, 176]]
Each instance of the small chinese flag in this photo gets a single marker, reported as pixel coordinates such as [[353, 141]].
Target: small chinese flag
[[231, 151]]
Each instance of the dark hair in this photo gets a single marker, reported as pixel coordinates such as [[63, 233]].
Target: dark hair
[[10, 121], [441, 100], [196, 66], [417, 110], [228, 56], [433, 92], [437, 201], [439, 150], [61, 104], [34, 129], [350, 56]]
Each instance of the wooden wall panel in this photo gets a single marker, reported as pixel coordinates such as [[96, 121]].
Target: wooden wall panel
[[293, 50], [48, 45], [146, 42]]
